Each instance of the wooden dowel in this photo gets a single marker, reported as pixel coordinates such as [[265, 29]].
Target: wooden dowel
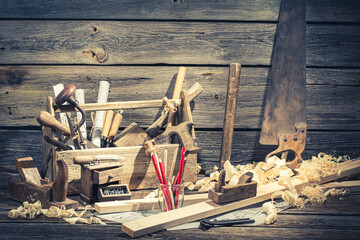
[[119, 105], [176, 94], [165, 162], [173, 164]]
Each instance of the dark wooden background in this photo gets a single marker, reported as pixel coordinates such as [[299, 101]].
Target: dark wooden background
[[138, 45]]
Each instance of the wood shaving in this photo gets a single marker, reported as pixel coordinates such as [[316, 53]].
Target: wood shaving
[[271, 212], [30, 210], [230, 171], [153, 194], [334, 192], [27, 210], [320, 166], [314, 194]]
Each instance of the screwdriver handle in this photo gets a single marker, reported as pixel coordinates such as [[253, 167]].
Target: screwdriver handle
[[46, 119], [107, 123], [115, 125]]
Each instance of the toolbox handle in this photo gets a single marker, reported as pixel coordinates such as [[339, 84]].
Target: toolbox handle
[[118, 105]]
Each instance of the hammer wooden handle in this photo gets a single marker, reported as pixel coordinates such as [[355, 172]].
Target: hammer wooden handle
[[46, 119]]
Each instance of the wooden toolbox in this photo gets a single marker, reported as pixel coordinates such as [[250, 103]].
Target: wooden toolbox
[[137, 170]]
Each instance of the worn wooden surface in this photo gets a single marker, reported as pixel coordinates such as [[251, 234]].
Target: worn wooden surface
[[138, 46], [332, 96], [336, 219]]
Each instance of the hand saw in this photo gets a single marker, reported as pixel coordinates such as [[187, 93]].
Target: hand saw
[[284, 121]]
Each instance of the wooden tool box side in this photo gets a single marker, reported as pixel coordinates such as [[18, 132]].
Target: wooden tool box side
[[138, 171]]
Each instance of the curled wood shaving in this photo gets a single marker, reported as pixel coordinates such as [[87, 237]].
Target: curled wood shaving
[[30, 210], [27, 210], [290, 196], [153, 194], [334, 192], [230, 171], [271, 212], [89, 220]]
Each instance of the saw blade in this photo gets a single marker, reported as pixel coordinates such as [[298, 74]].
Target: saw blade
[[286, 105]]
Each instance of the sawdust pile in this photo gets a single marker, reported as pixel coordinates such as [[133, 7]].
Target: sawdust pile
[[30, 210], [273, 170], [320, 166]]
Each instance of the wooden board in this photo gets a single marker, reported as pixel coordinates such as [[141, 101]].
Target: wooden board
[[329, 104], [137, 170], [194, 212], [245, 10], [143, 204], [107, 43]]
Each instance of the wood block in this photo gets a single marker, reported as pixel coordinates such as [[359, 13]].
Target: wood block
[[133, 135], [124, 196], [143, 204], [27, 170], [68, 203], [24, 191], [233, 193]]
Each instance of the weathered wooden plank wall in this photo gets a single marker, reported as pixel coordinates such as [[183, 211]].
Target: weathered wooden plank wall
[[137, 46]]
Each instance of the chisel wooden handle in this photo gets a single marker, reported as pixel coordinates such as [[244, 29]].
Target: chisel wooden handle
[[107, 123], [46, 119], [115, 125], [83, 159]]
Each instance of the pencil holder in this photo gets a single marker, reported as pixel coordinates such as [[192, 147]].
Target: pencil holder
[[171, 196]]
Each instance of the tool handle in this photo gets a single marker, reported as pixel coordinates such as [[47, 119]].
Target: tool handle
[[83, 159], [65, 94], [107, 123], [176, 94], [149, 147], [46, 119], [115, 125], [230, 111]]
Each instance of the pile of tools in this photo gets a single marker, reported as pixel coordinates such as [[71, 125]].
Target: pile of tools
[[101, 152]]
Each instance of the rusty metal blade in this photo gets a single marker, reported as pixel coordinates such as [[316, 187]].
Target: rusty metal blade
[[285, 105]]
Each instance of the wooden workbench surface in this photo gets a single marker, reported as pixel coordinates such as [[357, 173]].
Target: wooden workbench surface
[[336, 219]]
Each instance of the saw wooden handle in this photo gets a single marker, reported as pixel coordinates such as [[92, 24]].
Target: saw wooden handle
[[46, 119], [115, 125], [107, 123]]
